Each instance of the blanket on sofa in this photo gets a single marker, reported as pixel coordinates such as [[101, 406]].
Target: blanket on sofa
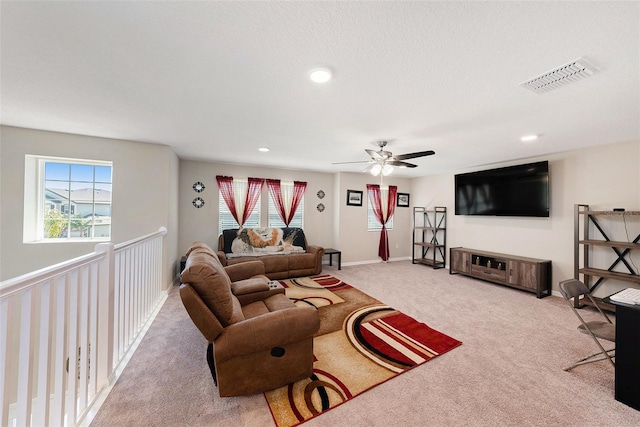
[[263, 241]]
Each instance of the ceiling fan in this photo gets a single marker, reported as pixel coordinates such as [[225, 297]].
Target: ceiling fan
[[383, 161]]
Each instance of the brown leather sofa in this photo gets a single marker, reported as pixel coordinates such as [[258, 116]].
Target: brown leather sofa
[[258, 339], [307, 263]]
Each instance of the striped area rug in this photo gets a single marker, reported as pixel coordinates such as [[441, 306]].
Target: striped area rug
[[361, 343]]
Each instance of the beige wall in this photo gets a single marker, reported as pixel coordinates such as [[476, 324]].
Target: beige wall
[[202, 224], [145, 180], [339, 226], [152, 188], [352, 238], [603, 177]]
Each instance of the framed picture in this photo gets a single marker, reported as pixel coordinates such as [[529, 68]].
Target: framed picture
[[402, 200], [354, 198]]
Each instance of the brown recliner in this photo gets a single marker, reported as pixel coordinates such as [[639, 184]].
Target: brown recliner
[[258, 339]]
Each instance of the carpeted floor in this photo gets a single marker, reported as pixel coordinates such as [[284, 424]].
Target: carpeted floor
[[507, 373]]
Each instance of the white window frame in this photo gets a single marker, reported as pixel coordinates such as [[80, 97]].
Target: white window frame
[[273, 218], [34, 201], [372, 223]]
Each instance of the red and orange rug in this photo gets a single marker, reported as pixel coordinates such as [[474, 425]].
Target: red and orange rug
[[361, 343]]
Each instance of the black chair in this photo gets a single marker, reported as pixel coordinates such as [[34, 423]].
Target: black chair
[[597, 329]]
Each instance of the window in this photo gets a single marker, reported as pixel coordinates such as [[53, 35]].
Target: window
[[74, 199], [372, 223], [273, 217], [226, 220]]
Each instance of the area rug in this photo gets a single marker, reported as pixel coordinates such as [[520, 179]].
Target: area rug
[[361, 344]]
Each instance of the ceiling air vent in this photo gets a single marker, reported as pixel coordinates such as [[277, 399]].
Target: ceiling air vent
[[561, 76]]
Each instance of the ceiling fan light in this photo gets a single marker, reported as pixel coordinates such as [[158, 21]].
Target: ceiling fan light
[[375, 170], [387, 169]]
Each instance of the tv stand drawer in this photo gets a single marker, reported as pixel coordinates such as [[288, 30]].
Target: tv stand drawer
[[488, 273]]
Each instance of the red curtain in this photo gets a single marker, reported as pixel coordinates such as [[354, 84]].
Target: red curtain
[[254, 187], [376, 203], [299, 188], [253, 194], [225, 184], [275, 189]]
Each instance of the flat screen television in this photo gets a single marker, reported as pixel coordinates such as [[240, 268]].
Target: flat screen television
[[521, 190]]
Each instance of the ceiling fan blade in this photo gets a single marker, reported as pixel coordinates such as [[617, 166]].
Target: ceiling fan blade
[[344, 163], [375, 155], [399, 164], [414, 155]]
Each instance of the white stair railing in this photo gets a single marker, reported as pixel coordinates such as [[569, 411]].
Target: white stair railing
[[65, 329]]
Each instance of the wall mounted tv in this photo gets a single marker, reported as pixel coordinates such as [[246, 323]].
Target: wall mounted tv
[[521, 190]]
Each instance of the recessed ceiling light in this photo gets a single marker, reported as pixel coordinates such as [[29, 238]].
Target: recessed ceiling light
[[528, 138], [263, 149], [320, 75]]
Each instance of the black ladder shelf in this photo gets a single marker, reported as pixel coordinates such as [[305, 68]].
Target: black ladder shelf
[[429, 236]]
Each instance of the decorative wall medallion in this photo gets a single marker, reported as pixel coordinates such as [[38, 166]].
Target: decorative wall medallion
[[320, 194], [320, 207], [198, 187], [198, 202]]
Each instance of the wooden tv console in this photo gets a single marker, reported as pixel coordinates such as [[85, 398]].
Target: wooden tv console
[[527, 274]]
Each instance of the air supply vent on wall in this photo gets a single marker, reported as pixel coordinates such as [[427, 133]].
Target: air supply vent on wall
[[561, 76]]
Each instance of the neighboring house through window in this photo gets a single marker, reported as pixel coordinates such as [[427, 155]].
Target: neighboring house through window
[[73, 199]]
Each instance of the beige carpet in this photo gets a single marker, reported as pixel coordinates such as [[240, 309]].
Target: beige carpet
[[507, 373]]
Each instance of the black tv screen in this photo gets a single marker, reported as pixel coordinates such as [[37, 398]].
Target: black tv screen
[[521, 190]]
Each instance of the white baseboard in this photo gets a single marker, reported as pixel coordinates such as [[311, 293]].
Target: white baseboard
[[375, 261]]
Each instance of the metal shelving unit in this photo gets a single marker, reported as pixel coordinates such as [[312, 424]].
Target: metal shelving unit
[[429, 236]]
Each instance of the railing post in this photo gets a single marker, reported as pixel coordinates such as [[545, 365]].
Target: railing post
[[104, 350]]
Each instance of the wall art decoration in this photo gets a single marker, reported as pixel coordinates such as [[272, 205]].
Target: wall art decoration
[[354, 198], [320, 207], [320, 194], [402, 200], [198, 202], [198, 187]]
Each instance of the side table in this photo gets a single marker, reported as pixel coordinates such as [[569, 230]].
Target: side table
[[331, 252]]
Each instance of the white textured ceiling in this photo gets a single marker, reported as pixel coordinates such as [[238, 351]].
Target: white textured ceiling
[[217, 80]]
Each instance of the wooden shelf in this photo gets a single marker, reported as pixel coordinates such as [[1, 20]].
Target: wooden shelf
[[603, 305], [429, 245], [610, 244], [626, 277], [610, 213], [429, 262]]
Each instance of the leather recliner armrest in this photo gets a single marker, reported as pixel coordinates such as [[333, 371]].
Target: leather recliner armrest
[[202, 317], [223, 258], [244, 287], [317, 250], [244, 270], [277, 328]]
